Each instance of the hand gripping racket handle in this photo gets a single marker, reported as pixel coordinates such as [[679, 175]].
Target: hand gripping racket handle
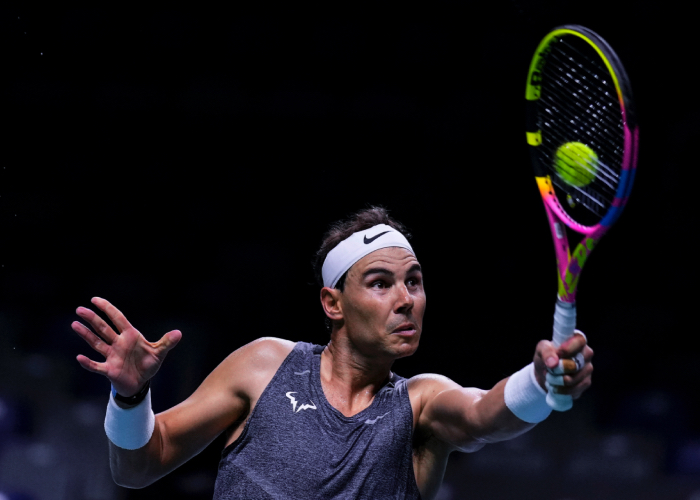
[[564, 326]]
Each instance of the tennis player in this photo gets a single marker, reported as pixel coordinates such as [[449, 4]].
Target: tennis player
[[333, 421]]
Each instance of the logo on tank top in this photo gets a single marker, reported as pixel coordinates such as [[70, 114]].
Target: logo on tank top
[[312, 406], [374, 420]]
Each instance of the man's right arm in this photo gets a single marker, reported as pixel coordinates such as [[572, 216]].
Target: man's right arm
[[226, 396]]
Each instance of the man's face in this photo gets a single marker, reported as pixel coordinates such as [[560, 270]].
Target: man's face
[[383, 303]]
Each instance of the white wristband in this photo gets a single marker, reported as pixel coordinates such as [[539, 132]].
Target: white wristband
[[130, 428], [524, 396]]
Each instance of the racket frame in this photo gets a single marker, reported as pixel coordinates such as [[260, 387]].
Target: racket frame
[[569, 265]]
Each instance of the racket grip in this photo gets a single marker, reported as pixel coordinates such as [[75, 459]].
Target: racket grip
[[564, 326]]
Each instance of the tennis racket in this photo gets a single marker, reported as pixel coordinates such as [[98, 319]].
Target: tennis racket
[[583, 138]]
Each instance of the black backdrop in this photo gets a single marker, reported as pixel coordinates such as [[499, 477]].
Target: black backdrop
[[184, 163]]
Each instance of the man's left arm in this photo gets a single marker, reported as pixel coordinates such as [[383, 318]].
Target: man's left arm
[[469, 418]]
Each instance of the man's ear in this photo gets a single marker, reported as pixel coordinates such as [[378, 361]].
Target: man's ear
[[330, 301]]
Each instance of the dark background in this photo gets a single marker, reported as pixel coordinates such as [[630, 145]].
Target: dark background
[[184, 164]]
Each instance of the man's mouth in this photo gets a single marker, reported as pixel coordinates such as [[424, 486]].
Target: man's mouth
[[404, 329]]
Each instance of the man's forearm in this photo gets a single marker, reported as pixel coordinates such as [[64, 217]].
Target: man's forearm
[[492, 420], [141, 467], [134, 440]]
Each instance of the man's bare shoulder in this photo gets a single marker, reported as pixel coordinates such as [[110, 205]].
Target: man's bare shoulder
[[428, 385], [262, 354], [248, 369], [268, 348]]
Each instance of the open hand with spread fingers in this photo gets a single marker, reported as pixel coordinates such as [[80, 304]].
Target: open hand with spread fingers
[[130, 360]]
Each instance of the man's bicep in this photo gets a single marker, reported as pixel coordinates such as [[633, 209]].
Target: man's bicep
[[445, 410], [187, 428], [450, 417], [222, 399]]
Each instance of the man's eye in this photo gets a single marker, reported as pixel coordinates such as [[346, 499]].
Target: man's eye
[[378, 284]]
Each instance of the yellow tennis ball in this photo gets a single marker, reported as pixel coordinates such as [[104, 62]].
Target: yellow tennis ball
[[576, 163]]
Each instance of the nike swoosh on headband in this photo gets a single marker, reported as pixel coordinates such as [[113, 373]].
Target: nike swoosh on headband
[[370, 240]]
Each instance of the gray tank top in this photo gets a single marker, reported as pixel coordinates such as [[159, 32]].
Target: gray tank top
[[295, 445]]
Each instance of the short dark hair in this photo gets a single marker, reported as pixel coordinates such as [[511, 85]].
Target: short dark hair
[[341, 230]]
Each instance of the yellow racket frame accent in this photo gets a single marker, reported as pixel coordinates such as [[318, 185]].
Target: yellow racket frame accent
[[532, 90]]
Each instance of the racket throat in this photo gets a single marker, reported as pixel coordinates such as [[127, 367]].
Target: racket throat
[[569, 276]]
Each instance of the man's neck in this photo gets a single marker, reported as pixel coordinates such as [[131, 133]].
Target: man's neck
[[350, 380]]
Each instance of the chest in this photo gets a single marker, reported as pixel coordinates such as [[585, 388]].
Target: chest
[[296, 433], [302, 414]]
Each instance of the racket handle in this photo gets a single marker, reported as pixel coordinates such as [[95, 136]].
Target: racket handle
[[564, 326]]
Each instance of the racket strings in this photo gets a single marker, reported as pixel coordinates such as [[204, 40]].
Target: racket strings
[[602, 114], [571, 80], [611, 174], [599, 99], [593, 67], [601, 191], [605, 171], [579, 103]]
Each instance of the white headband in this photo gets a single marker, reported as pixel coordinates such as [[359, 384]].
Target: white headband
[[356, 246]]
